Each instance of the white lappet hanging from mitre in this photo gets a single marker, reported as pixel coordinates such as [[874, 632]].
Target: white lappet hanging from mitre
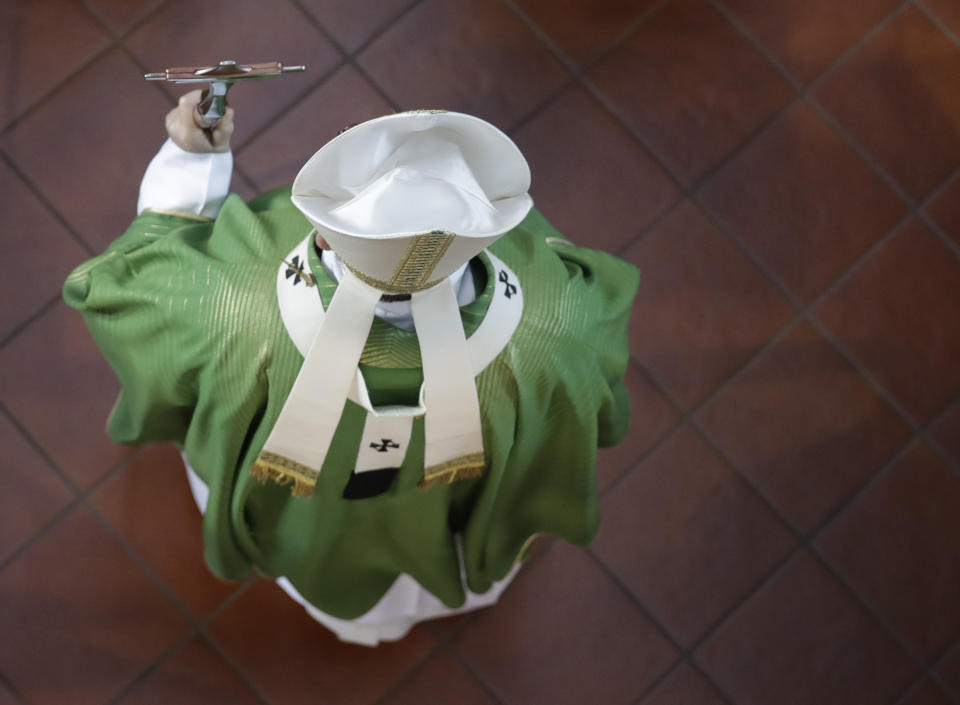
[[404, 201]]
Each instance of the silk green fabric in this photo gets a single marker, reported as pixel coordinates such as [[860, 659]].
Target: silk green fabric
[[186, 313]]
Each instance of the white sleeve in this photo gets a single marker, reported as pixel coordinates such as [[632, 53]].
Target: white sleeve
[[178, 180]]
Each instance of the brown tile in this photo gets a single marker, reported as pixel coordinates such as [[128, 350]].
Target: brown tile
[[684, 687], [86, 618], [687, 536], [945, 209], [601, 188], [949, 669], [240, 185], [41, 44], [806, 36], [804, 635], [946, 11], [276, 156], [150, 505], [447, 627], [121, 14], [651, 418], [565, 633], [6, 697], [353, 22], [245, 30], [31, 494], [54, 380], [583, 29], [899, 547], [702, 310], [906, 74], [804, 426], [926, 694], [38, 252], [803, 202], [472, 56], [88, 159], [893, 315], [691, 86], [946, 432], [194, 675], [441, 680], [292, 659]]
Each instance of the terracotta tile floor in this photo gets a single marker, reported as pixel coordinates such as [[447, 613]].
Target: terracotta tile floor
[[782, 524]]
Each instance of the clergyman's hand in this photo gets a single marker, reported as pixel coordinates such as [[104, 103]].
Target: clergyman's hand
[[188, 136]]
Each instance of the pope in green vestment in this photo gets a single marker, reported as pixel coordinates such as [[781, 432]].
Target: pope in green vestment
[[189, 313]]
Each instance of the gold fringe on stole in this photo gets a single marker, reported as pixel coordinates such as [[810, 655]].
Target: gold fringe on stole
[[462, 468], [283, 471]]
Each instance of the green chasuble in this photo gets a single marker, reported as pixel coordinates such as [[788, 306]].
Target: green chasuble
[[186, 312]]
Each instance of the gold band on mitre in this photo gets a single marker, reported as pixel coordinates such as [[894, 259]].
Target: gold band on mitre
[[415, 267]]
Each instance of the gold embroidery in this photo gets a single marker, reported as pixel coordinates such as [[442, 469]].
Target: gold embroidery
[[420, 259], [382, 285], [308, 278], [283, 471], [179, 214], [524, 553], [417, 264], [461, 468]]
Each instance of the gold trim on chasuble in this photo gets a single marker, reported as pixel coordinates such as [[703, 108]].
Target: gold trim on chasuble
[[284, 471], [416, 265], [179, 214], [462, 468]]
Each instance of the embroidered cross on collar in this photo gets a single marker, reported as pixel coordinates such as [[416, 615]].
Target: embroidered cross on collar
[[295, 270]]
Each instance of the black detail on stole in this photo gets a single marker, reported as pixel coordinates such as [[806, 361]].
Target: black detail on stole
[[296, 270], [510, 289], [384, 445], [364, 485]]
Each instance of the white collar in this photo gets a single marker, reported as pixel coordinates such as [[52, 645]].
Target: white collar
[[397, 313], [302, 312]]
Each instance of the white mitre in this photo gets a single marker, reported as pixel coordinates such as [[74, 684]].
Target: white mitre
[[404, 200]]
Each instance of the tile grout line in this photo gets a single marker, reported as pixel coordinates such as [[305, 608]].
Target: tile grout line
[[921, 5], [806, 93], [234, 667], [668, 434], [29, 320], [466, 619], [287, 109], [83, 65], [911, 690], [6, 683], [578, 78], [914, 209], [70, 486], [394, 687], [806, 539], [476, 675], [44, 201], [197, 631], [955, 644], [350, 58], [82, 501], [806, 544], [683, 654]]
